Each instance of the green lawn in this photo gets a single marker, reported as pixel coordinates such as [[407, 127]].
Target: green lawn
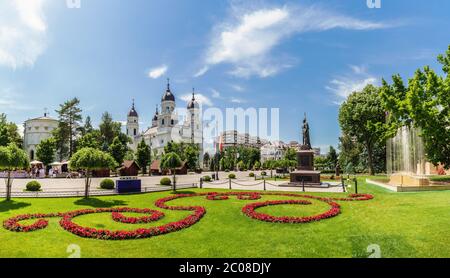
[[402, 224]]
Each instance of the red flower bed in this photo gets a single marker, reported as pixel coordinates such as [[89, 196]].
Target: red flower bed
[[119, 217], [249, 210], [216, 197], [198, 212]]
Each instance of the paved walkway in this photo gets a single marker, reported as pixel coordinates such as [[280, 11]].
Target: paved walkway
[[75, 187]]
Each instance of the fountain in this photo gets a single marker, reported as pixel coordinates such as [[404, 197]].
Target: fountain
[[406, 161]]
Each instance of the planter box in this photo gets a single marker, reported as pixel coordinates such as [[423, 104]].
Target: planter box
[[128, 186]]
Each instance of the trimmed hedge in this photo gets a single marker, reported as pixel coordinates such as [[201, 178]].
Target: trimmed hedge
[[33, 186], [165, 181], [107, 184], [232, 176], [251, 175], [207, 178]]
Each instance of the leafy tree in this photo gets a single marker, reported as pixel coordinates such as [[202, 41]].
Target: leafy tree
[[45, 151], [290, 154], [93, 139], [362, 116], [425, 105], [257, 165], [241, 165], [109, 129], [129, 155], [8, 132], [332, 158], [118, 150], [191, 154], [143, 155], [89, 159], [171, 161], [12, 158], [351, 152], [87, 128], [70, 118]]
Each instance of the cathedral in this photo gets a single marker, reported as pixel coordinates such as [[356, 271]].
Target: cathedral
[[167, 125]]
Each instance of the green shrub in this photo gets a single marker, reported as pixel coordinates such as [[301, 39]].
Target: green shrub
[[207, 178], [33, 186], [227, 170], [232, 176], [263, 173], [251, 175], [165, 181], [107, 184]]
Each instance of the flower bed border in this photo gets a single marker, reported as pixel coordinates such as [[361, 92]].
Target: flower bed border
[[198, 212]]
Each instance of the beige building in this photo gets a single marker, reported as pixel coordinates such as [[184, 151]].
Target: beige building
[[36, 130]]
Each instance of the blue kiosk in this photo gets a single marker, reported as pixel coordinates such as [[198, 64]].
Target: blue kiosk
[[128, 185]]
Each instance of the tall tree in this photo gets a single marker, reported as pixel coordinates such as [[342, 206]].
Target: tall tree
[[143, 155], [424, 104], [332, 157], [45, 151], [70, 119], [118, 150], [362, 116], [109, 129], [87, 127]]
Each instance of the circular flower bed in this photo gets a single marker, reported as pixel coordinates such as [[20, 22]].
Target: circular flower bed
[[197, 212], [119, 217], [216, 197], [249, 210]]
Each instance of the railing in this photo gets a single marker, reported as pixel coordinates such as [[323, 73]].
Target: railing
[[95, 192]]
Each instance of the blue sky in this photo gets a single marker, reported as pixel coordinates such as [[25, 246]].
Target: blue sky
[[300, 56]]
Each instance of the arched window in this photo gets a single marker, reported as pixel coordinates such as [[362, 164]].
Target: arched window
[[172, 122], [162, 122], [135, 132], [32, 154]]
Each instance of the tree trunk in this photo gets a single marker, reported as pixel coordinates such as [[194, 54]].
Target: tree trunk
[[369, 159], [8, 187], [174, 184], [87, 185]]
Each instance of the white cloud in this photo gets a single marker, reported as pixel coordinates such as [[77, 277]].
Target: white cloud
[[200, 98], [247, 39], [201, 71], [22, 32], [343, 86], [237, 88], [157, 72], [215, 93], [11, 100], [237, 100]]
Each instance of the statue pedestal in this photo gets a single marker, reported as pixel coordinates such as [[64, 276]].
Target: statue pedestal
[[305, 169]]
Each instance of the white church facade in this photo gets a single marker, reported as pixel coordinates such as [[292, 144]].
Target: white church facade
[[35, 130], [167, 125]]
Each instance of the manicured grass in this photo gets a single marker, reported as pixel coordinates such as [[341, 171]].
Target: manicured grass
[[402, 224]]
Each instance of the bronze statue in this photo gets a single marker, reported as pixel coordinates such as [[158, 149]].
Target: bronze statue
[[306, 138]]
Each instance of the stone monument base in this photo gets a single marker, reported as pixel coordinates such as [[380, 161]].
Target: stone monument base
[[309, 177]]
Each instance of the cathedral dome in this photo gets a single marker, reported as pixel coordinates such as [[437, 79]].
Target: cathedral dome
[[133, 112], [192, 104], [168, 96]]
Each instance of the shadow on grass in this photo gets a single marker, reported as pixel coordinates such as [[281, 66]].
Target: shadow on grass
[[183, 192], [12, 205], [97, 203]]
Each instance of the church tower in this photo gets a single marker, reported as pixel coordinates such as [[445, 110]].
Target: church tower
[[132, 122], [167, 108], [155, 118], [196, 127]]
